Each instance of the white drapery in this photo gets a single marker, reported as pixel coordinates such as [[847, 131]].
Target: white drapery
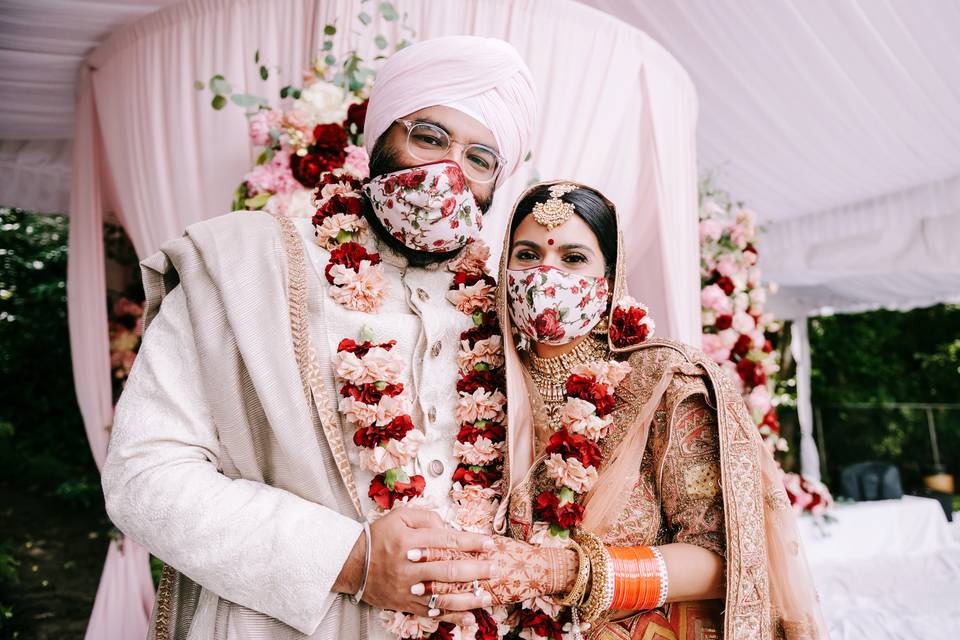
[[838, 121], [617, 112]]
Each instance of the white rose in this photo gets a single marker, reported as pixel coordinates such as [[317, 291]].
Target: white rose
[[324, 103]]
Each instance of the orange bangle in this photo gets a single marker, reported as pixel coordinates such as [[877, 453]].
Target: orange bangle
[[636, 578]]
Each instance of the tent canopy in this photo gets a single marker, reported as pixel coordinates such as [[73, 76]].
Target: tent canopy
[[837, 121]]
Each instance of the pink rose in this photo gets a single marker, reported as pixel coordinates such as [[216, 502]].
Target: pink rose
[[357, 162], [262, 123], [713, 297]]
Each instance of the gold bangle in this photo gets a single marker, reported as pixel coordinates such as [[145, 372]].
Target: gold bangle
[[598, 602], [583, 577]]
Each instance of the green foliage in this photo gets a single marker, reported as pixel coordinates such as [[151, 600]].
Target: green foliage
[[42, 440], [886, 357]]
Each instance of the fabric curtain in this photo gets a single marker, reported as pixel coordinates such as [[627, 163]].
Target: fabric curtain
[[617, 112], [800, 349]]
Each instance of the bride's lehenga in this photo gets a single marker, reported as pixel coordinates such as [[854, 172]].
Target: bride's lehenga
[[684, 464]]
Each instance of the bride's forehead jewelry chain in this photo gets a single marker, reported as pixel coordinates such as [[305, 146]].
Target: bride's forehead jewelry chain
[[554, 212]]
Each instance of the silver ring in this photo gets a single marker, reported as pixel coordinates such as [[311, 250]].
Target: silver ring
[[477, 591], [432, 602]]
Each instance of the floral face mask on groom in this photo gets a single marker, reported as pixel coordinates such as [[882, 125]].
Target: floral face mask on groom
[[428, 208], [553, 306]]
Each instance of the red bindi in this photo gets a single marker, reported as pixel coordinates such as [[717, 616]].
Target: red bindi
[[550, 241]]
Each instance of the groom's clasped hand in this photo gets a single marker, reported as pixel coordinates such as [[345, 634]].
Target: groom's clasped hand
[[414, 555]]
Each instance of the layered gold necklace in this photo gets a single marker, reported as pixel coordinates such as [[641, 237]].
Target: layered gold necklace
[[550, 375]]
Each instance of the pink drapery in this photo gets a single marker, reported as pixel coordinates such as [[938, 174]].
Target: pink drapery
[[617, 112]]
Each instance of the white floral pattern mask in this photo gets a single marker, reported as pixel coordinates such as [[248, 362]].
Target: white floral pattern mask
[[553, 306], [427, 208]]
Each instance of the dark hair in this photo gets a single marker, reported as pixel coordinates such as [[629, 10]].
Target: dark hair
[[591, 207]]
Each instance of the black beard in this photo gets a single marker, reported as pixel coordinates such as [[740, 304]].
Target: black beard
[[383, 161]]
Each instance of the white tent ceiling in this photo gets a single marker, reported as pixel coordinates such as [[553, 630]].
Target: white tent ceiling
[[838, 121]]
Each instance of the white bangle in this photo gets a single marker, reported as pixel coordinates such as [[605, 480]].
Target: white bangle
[[664, 578], [355, 598]]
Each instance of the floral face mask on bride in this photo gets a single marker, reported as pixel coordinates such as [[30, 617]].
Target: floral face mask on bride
[[553, 306], [427, 208]]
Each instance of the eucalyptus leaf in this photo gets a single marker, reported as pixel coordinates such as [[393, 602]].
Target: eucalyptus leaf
[[198, 85], [381, 42], [257, 201], [330, 30], [527, 157], [256, 57], [286, 91], [220, 86], [330, 59], [327, 45], [238, 197], [243, 100], [218, 102], [388, 12], [264, 73], [364, 18], [264, 157]]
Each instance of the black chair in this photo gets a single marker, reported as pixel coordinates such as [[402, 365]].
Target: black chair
[[871, 481]]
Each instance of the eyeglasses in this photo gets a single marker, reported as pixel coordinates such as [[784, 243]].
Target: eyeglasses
[[429, 143]]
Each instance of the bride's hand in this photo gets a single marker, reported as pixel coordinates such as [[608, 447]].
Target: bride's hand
[[523, 571]]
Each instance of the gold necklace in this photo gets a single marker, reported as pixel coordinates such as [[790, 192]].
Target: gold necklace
[[550, 374]]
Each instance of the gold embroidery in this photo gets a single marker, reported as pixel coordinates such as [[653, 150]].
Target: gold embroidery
[[701, 480]]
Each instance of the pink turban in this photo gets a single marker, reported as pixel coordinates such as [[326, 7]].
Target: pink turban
[[479, 76]]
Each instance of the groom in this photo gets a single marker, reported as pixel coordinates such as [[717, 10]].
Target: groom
[[228, 458]]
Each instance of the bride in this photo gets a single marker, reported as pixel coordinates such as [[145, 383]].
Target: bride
[[635, 452]]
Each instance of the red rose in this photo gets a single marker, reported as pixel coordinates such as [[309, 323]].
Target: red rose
[[550, 292], [370, 437], [541, 624], [627, 327], [411, 179], [529, 278], [726, 284], [742, 346], [487, 626], [569, 515], [369, 393], [491, 431], [361, 349], [307, 169], [751, 373], [470, 279], [770, 419], [487, 380], [573, 445], [724, 322], [587, 389], [547, 325], [338, 204], [332, 178], [329, 140], [476, 475], [350, 255], [356, 115], [456, 178], [767, 346]]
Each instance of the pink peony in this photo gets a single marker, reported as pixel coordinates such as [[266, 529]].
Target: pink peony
[[331, 226], [743, 322], [580, 416], [262, 123], [713, 297], [377, 365], [759, 399], [710, 229], [357, 162], [727, 265], [610, 373], [391, 407], [714, 347], [358, 412], [475, 515], [396, 453]]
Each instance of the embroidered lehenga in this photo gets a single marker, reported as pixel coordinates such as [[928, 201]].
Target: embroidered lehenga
[[684, 463]]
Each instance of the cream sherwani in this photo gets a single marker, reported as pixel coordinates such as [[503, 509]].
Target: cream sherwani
[[264, 532]]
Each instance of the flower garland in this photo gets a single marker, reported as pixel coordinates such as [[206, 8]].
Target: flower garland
[[373, 397], [735, 323], [573, 457]]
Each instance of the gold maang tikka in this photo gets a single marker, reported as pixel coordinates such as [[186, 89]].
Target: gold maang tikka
[[554, 212]]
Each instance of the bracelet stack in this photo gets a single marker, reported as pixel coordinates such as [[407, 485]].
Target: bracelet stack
[[623, 579]]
